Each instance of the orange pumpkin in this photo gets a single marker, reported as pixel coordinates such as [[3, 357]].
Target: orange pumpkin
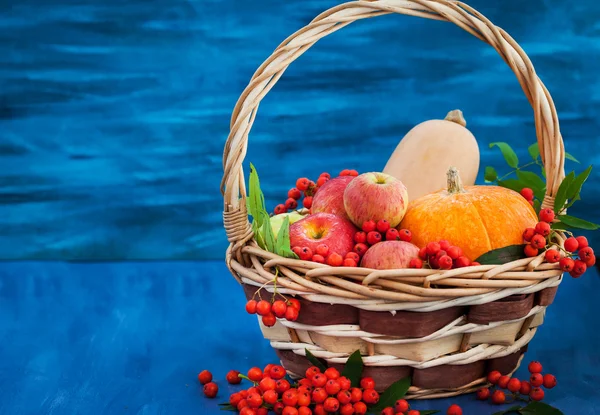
[[474, 218]]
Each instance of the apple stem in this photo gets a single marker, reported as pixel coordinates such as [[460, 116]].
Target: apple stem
[[457, 117], [454, 183]]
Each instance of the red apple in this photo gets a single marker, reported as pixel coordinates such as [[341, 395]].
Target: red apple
[[323, 228], [390, 255], [330, 197], [376, 196]]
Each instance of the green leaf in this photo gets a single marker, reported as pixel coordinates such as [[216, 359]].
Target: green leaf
[[533, 181], [282, 245], [395, 391], [256, 200], [534, 151], [570, 157], [578, 223], [575, 187], [353, 368], [512, 184], [509, 154], [537, 205], [539, 408], [502, 255], [509, 410], [227, 407], [267, 233], [428, 412], [561, 195], [315, 362], [490, 174]]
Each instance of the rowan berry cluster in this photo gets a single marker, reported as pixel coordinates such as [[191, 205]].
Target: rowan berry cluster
[[323, 255], [375, 231], [270, 312], [441, 255]]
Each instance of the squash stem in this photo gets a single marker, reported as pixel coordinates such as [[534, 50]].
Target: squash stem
[[454, 183], [457, 117]]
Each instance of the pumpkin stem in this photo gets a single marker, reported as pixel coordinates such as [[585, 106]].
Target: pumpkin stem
[[454, 183], [457, 117]]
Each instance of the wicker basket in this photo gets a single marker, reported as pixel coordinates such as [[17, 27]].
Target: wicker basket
[[447, 336]]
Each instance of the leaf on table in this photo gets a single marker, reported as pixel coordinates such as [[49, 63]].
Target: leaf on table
[[227, 407], [570, 157], [282, 245], [315, 362], [577, 223], [509, 154], [395, 391], [534, 151], [428, 412], [353, 368], [502, 255], [561, 196], [490, 174], [509, 410], [539, 408]]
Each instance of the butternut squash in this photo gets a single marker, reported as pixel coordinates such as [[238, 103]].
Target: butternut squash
[[428, 150]]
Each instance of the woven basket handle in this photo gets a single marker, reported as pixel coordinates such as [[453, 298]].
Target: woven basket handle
[[546, 120]]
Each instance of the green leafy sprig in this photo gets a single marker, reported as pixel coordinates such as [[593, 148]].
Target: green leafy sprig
[[261, 221], [521, 176]]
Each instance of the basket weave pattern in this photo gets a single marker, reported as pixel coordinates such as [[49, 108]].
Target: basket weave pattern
[[467, 320]]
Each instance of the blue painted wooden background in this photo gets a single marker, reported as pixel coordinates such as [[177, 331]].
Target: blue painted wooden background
[[113, 114]]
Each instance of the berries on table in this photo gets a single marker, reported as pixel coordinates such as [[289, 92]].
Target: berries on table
[[413, 412], [319, 395], [356, 394], [332, 373], [571, 244], [388, 411], [494, 376], [514, 385], [270, 397], [205, 377], [525, 388], [498, 397], [211, 389], [254, 400], [233, 377], [251, 307], [527, 193], [537, 394], [370, 396], [360, 408], [311, 371], [454, 410], [367, 383], [535, 367], [344, 396], [549, 381], [547, 215], [290, 410], [331, 405], [369, 226], [536, 380], [332, 387], [303, 398], [319, 380], [255, 374], [401, 406], [246, 410], [503, 381], [267, 384], [483, 394], [345, 383], [552, 256]]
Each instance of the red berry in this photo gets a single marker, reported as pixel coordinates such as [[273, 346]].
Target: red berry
[[294, 193], [392, 235], [413, 412], [346, 409], [278, 308], [243, 394], [566, 264], [433, 248], [454, 252], [322, 249], [311, 371], [454, 410], [345, 383], [334, 259], [305, 383], [405, 235], [280, 209], [325, 174], [344, 172], [291, 314], [542, 228], [270, 397], [461, 262], [527, 193], [370, 396], [254, 400], [440, 254], [290, 397], [445, 262], [205, 377], [321, 181], [349, 262], [369, 226], [306, 253], [525, 388], [401, 406], [531, 251], [494, 376], [547, 215], [277, 372], [571, 244], [388, 411], [353, 255], [514, 385], [423, 253], [360, 249], [278, 408], [234, 399], [331, 405], [319, 380], [291, 204], [538, 241], [552, 256], [578, 269], [373, 237], [332, 387], [211, 389], [535, 367], [383, 226], [537, 394], [536, 379], [246, 410], [251, 307], [360, 408], [255, 374], [332, 373], [532, 203], [319, 410], [503, 381], [415, 263], [475, 264], [549, 381], [356, 394], [582, 242], [263, 308], [319, 395], [233, 377], [269, 320], [303, 398], [352, 173], [360, 237], [293, 302], [483, 394], [498, 397], [307, 202], [344, 396], [318, 258], [302, 184], [367, 383], [528, 234], [262, 411], [304, 410], [305, 388], [444, 244], [289, 410], [586, 254]]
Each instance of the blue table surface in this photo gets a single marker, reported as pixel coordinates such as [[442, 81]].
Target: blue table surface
[[130, 338]]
